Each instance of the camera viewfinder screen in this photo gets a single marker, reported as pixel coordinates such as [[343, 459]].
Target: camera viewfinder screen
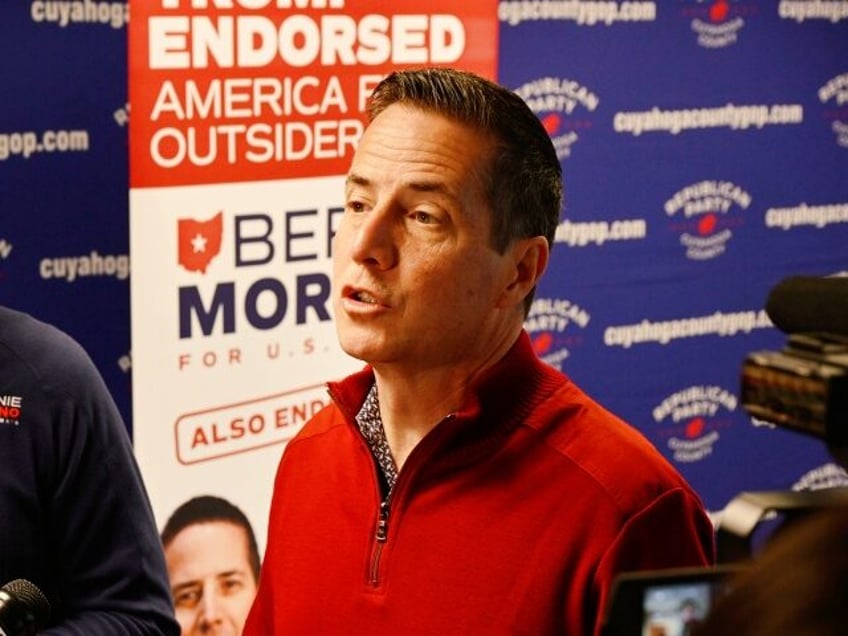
[[675, 609]]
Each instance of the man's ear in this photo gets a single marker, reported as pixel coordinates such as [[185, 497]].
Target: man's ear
[[529, 259]]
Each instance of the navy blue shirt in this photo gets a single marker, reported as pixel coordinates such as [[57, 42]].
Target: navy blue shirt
[[76, 520]]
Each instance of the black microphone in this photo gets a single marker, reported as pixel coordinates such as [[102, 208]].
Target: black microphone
[[24, 609], [810, 304]]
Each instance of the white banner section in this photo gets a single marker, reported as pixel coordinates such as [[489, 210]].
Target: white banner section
[[232, 330]]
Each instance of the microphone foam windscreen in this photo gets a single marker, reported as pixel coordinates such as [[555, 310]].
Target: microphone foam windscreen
[[806, 304]]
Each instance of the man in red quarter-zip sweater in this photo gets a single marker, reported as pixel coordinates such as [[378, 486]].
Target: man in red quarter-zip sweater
[[458, 484]]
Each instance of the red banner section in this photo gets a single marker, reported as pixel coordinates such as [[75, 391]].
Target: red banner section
[[251, 90]]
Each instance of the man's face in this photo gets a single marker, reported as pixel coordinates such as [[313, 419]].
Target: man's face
[[211, 580], [416, 280]]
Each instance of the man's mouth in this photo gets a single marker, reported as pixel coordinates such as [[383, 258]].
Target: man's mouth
[[364, 297]]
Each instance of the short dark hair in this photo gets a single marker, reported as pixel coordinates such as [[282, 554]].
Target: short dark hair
[[524, 178], [795, 585], [209, 509]]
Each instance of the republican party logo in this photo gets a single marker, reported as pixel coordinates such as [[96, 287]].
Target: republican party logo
[[551, 325], [718, 23], [562, 105], [834, 95], [199, 242], [704, 215], [691, 420]]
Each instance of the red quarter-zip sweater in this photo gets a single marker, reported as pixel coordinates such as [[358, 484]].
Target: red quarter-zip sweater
[[512, 516]]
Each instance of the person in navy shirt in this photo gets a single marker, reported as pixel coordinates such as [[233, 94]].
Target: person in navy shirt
[[77, 521]]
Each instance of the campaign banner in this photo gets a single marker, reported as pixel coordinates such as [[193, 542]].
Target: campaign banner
[[245, 116]]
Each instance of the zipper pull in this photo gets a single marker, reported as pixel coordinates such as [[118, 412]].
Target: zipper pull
[[383, 522]]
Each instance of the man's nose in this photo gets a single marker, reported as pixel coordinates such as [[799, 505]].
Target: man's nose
[[375, 239], [210, 611]]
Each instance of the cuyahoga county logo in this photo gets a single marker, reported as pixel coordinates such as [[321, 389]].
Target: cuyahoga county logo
[[548, 325], [10, 409], [560, 103], [835, 94], [704, 216], [199, 242], [691, 420], [717, 23]]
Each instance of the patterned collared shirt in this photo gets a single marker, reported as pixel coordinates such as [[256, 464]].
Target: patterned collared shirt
[[371, 427]]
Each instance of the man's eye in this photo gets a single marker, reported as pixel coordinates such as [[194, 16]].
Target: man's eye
[[188, 598], [355, 206], [424, 217], [231, 586]]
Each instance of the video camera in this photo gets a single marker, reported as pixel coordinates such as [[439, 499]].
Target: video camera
[[804, 387]]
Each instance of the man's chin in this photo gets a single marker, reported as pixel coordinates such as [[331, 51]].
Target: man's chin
[[366, 349], [356, 348]]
